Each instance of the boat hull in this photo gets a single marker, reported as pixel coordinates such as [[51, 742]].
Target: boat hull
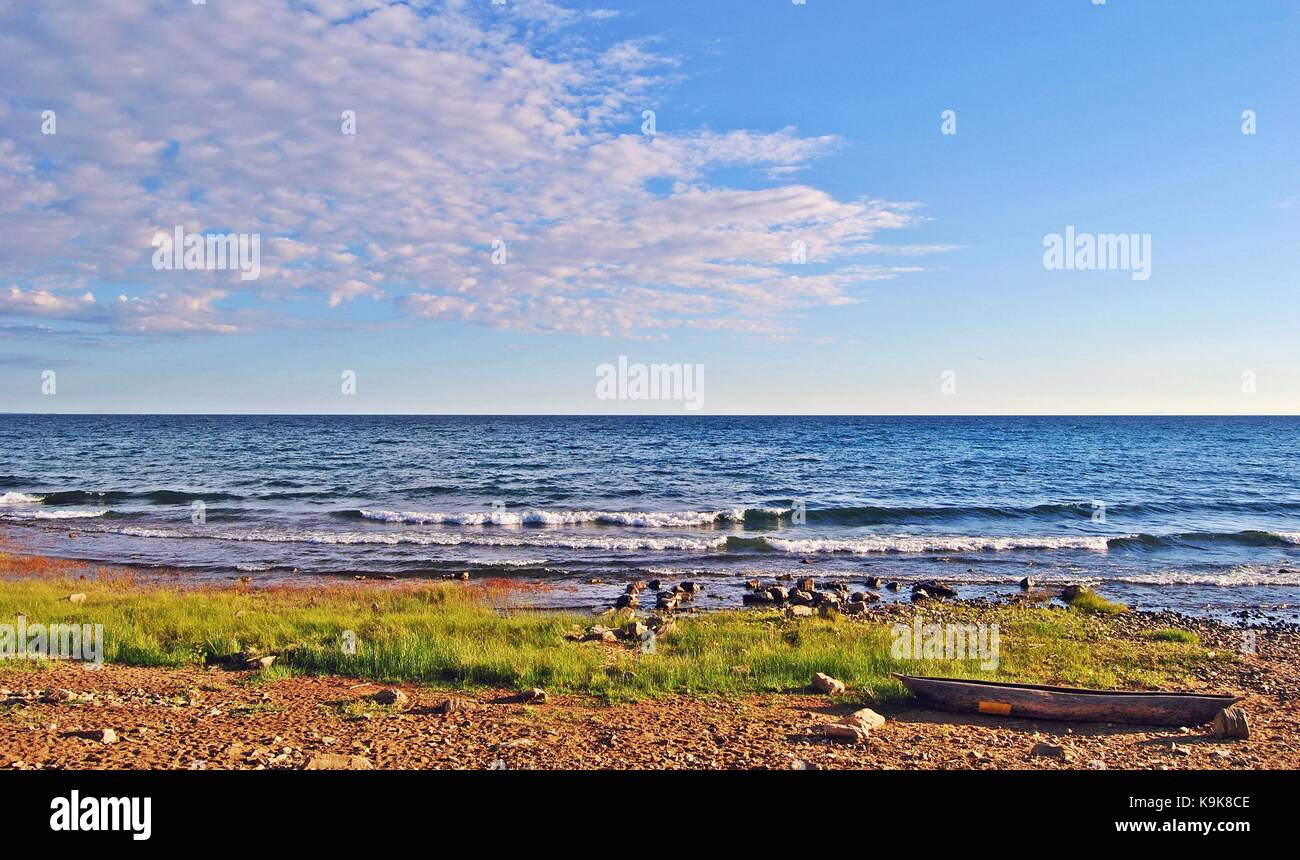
[[1030, 701]]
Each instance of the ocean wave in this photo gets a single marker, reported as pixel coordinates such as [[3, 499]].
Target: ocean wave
[[635, 519], [19, 499], [866, 515], [1253, 576], [936, 543], [1242, 538], [39, 514], [395, 538], [159, 497]]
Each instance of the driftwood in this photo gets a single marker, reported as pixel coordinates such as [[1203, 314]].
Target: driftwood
[[1231, 723]]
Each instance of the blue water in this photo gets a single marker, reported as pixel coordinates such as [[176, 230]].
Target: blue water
[[1197, 514]]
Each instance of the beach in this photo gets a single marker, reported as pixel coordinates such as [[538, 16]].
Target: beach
[[535, 690]]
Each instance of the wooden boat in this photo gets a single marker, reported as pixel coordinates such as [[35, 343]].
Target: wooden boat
[[1033, 701]]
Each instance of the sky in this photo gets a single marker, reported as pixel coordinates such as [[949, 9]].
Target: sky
[[465, 206]]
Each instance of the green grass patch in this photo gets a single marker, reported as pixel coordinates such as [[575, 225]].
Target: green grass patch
[[1172, 634], [447, 635], [1091, 601]]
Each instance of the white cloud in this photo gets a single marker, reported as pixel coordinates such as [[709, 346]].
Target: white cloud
[[474, 123]]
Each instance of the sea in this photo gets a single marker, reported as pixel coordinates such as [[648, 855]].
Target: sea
[[1196, 514]]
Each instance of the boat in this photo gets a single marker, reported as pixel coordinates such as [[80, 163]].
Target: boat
[[1038, 702]]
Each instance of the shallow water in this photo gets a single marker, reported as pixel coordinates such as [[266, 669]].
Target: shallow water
[[1197, 514]]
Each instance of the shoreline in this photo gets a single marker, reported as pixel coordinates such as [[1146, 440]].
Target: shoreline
[[578, 592], [607, 704]]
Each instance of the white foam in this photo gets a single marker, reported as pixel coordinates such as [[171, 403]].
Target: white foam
[[635, 519], [51, 514], [1244, 576], [936, 543], [534, 539], [19, 499]]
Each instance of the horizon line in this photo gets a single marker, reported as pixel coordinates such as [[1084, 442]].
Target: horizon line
[[661, 414]]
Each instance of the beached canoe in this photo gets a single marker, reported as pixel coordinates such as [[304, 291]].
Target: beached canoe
[[1033, 701]]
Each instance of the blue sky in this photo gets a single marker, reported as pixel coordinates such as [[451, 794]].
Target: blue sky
[[774, 122]]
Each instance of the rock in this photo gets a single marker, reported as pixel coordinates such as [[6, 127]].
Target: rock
[[828, 610], [1071, 592], [806, 584], [753, 584], [856, 607], [518, 743], [1231, 723], [863, 597], [334, 761], [655, 584], [920, 594], [935, 588], [668, 604], [799, 611], [865, 719], [634, 630], [1096, 764], [627, 601], [463, 576], [389, 696], [1026, 583], [807, 561], [535, 696], [260, 662], [892, 586], [662, 624], [692, 587], [824, 683], [1060, 753], [842, 732], [801, 597], [598, 633], [873, 582], [451, 706], [107, 736], [779, 594], [635, 587], [55, 696], [757, 598], [79, 597]]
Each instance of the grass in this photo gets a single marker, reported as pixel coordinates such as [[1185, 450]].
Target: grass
[[449, 635], [1173, 634], [1091, 601]]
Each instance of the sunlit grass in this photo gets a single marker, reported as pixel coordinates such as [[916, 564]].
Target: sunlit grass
[[447, 634]]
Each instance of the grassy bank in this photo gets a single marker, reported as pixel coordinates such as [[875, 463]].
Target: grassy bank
[[449, 634]]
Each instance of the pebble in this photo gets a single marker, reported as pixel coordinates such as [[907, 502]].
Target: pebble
[[824, 683]]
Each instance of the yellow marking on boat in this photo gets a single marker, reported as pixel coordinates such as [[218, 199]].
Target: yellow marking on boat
[[1002, 708]]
